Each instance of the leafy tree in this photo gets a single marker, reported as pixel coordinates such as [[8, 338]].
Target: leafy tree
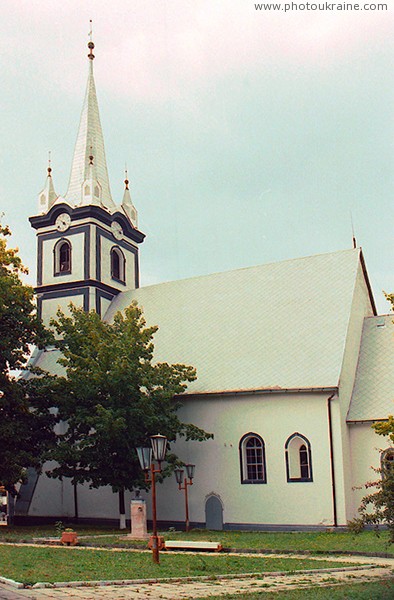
[[377, 507], [26, 424], [113, 397]]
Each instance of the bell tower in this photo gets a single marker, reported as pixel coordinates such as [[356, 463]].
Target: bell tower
[[87, 245]]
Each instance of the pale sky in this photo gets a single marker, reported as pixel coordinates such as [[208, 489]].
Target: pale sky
[[250, 136]]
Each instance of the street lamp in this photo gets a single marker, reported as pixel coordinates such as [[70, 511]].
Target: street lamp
[[158, 450], [179, 475]]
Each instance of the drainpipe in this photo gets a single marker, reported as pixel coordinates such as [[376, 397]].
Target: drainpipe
[[334, 496]]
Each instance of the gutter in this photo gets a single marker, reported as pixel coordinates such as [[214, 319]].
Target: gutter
[[253, 391], [333, 487]]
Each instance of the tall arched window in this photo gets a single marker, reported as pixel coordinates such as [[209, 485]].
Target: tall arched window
[[252, 459], [62, 258], [118, 265], [298, 458]]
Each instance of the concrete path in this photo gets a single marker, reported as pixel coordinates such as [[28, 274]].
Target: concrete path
[[381, 568]]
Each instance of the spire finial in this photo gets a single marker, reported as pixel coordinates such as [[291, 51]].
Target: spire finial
[[90, 44], [126, 181], [353, 234], [49, 169]]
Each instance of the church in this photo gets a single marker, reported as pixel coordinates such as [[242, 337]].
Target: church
[[293, 362]]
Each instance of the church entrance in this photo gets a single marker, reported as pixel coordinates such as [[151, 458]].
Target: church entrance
[[214, 513]]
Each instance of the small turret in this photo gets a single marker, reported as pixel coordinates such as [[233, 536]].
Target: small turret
[[47, 196], [128, 206]]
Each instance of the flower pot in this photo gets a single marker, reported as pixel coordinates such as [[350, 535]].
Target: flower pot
[[69, 538]]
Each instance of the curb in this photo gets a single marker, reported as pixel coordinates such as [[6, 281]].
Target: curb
[[75, 584], [308, 552], [12, 583]]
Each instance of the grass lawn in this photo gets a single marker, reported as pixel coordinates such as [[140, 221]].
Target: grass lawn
[[318, 542], [27, 533], [381, 590], [314, 542], [31, 564]]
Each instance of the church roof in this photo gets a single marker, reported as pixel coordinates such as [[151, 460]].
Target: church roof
[[373, 393], [275, 326]]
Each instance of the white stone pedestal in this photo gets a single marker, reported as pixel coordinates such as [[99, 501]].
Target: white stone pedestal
[[138, 520]]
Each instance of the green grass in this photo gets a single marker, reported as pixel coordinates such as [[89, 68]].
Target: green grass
[[381, 590], [27, 533], [318, 542], [31, 564], [314, 542]]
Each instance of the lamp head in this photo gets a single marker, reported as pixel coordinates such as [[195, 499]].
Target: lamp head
[[179, 474], [145, 457], [190, 471], [159, 446]]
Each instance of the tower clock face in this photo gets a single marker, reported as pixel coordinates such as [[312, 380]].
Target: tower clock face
[[63, 222], [117, 230]]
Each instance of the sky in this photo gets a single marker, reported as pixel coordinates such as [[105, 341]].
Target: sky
[[250, 136]]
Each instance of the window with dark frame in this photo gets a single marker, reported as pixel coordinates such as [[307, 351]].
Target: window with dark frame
[[118, 265], [252, 459], [298, 457], [62, 258]]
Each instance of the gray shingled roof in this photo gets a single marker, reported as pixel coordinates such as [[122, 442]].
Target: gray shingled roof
[[280, 325], [373, 393]]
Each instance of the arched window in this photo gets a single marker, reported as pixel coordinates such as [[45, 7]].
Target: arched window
[[62, 258], [252, 459], [118, 265], [298, 458]]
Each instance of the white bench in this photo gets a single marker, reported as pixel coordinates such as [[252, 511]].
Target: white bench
[[182, 545]]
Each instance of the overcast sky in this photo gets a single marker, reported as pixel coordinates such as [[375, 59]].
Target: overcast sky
[[250, 136]]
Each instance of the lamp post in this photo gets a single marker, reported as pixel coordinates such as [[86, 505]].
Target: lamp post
[[158, 450], [180, 478]]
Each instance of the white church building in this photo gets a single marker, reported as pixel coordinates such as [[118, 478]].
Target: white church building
[[293, 362]]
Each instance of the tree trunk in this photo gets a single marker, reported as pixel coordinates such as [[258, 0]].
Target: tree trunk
[[76, 515], [122, 510]]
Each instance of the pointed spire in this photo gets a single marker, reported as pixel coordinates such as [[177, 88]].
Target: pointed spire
[[90, 142], [47, 196], [127, 203]]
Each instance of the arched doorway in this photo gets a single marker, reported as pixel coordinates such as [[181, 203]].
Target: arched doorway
[[214, 513]]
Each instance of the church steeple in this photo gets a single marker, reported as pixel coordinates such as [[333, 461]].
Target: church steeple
[[87, 246], [90, 142]]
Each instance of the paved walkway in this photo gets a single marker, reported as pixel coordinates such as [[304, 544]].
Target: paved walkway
[[181, 590]]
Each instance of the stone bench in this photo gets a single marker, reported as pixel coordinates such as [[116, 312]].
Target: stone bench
[[182, 545]]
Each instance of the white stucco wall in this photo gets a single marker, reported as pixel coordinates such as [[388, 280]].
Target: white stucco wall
[[55, 498], [361, 307], [365, 454], [274, 417], [77, 260], [51, 306], [106, 246]]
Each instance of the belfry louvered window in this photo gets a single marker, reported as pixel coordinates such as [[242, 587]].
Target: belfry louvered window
[[62, 258], [252, 459], [118, 265]]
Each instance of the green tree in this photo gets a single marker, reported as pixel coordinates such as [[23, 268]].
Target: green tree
[[26, 424], [377, 507], [113, 397]]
